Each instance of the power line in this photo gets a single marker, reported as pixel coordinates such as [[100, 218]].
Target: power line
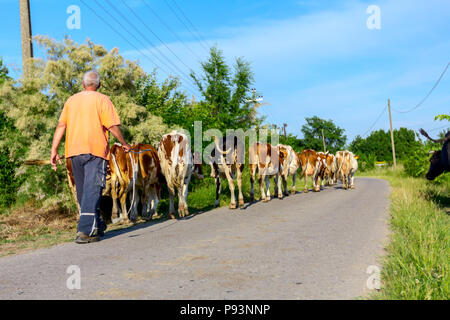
[[170, 29], [137, 39], [149, 29], [190, 22], [187, 28], [126, 39], [429, 93], [434, 129], [123, 37], [373, 124]]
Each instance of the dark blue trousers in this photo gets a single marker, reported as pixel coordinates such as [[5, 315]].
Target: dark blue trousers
[[89, 173]]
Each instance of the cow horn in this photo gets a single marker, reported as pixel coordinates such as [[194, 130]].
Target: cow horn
[[216, 141], [431, 152]]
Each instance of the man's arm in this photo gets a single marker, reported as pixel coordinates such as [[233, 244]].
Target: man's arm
[[59, 133], [115, 130]]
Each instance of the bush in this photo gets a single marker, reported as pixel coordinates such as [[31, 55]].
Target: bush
[[366, 162], [417, 163]]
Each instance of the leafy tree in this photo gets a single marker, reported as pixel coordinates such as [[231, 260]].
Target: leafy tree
[[8, 182], [34, 104], [225, 93], [312, 134], [163, 100], [442, 117], [293, 141], [378, 143]]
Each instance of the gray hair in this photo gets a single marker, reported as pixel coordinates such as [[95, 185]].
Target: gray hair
[[91, 79]]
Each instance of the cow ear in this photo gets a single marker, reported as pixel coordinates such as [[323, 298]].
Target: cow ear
[[357, 157]]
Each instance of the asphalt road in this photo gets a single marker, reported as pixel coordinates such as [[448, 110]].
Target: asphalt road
[[306, 246]]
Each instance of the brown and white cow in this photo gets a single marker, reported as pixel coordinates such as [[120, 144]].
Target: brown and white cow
[[121, 176], [149, 180], [177, 164], [319, 176], [136, 170], [347, 164], [227, 160], [310, 165], [290, 167], [331, 170], [270, 162]]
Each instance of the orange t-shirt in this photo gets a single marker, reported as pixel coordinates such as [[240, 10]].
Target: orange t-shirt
[[88, 115]]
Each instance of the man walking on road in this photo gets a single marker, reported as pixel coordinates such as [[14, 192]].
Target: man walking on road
[[88, 116]]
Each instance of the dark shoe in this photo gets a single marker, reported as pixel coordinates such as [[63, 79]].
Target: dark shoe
[[82, 238]]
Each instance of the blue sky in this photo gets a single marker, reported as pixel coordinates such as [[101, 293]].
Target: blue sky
[[309, 57]]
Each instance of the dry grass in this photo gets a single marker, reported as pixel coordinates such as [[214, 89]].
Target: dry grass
[[29, 228]]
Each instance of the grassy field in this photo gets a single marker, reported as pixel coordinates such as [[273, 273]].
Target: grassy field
[[418, 256]]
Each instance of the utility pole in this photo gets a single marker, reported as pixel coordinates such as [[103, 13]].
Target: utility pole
[[284, 130], [25, 32], [323, 140], [256, 101], [392, 135]]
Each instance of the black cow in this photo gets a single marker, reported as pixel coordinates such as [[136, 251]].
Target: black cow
[[440, 160]]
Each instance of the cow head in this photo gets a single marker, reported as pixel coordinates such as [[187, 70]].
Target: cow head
[[436, 166]]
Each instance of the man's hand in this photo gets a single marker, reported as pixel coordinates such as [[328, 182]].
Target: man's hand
[[53, 158], [115, 130], [126, 147]]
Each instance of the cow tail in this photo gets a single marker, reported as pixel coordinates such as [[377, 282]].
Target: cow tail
[[174, 156], [116, 167], [135, 167]]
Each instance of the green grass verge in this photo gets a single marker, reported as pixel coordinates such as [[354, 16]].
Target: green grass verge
[[418, 256]]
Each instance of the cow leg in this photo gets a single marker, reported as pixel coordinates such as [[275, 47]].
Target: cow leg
[[261, 187], [157, 198], [146, 201], [293, 183], [267, 180], [239, 169], [284, 180], [123, 205], [279, 192], [306, 184], [252, 182], [114, 196], [275, 180], [351, 180], [344, 181], [216, 203], [134, 206], [171, 205], [180, 202], [316, 183], [231, 186], [185, 194]]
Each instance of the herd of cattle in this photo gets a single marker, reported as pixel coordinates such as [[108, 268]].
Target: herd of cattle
[[147, 169]]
